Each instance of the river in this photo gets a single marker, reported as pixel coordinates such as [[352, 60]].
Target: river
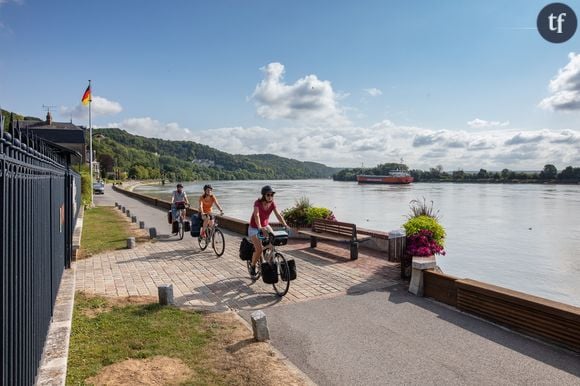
[[523, 237]]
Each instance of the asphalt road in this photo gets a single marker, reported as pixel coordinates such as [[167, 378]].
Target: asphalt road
[[391, 337]]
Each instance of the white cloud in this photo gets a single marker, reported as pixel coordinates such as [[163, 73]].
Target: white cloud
[[481, 123], [565, 87], [99, 107], [309, 100], [373, 91], [383, 142]]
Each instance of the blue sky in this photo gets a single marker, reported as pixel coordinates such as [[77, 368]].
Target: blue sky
[[459, 84]]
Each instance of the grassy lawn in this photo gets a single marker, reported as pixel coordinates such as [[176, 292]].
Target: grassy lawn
[[104, 333], [103, 230]]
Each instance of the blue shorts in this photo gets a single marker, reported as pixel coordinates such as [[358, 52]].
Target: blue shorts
[[252, 231]]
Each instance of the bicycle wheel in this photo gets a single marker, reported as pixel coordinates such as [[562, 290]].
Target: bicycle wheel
[[203, 241], [218, 242], [181, 230], [282, 286]]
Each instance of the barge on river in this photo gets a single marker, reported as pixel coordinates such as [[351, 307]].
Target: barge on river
[[394, 177]]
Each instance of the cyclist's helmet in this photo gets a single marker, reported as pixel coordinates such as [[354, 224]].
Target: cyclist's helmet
[[267, 189], [179, 186], [206, 187]]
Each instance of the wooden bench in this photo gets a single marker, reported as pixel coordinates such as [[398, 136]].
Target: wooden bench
[[335, 231]]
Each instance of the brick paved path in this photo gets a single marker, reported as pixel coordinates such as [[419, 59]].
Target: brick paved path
[[202, 280]]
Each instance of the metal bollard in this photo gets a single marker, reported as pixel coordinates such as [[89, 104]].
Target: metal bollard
[[152, 233], [123, 209], [116, 204], [165, 293], [128, 212], [130, 242], [133, 218], [141, 224]]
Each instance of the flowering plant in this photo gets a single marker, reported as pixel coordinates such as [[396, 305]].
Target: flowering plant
[[425, 235], [423, 244]]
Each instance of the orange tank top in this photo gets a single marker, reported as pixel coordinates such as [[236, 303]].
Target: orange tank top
[[207, 203]]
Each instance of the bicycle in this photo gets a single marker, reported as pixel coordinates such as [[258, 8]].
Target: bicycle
[[216, 236], [180, 207], [275, 260]]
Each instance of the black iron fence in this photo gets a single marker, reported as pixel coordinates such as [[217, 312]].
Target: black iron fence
[[39, 206]]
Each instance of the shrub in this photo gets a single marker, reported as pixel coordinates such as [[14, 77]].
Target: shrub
[[302, 214], [416, 224]]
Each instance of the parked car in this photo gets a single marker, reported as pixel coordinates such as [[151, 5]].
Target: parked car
[[99, 187]]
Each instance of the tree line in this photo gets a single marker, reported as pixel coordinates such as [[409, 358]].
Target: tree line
[[549, 173]]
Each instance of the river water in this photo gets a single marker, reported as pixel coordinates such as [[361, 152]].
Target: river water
[[522, 237]]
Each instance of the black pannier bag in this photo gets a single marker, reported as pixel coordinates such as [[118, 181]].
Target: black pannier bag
[[175, 227], [246, 249], [269, 273], [195, 225], [280, 238], [186, 226], [291, 274]]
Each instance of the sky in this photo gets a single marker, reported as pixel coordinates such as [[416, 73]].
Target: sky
[[463, 85]]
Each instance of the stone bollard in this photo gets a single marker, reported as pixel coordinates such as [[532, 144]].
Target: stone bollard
[[141, 224], [260, 326], [123, 209], [165, 292], [152, 233], [133, 218], [130, 242], [128, 212], [420, 264]]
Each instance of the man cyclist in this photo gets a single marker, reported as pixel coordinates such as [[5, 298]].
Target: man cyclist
[[206, 202], [259, 222], [178, 200]]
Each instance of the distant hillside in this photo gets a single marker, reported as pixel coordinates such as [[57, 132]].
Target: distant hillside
[[143, 157]]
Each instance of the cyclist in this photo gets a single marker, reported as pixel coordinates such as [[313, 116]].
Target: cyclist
[[206, 202], [178, 200], [263, 208]]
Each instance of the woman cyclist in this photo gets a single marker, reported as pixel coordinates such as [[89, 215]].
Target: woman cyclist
[[259, 222], [178, 201], [206, 202]]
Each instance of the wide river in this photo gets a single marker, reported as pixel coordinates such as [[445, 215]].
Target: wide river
[[522, 237]]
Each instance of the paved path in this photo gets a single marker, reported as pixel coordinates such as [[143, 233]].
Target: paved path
[[342, 323]]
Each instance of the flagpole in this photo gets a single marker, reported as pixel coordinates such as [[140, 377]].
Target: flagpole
[[91, 142]]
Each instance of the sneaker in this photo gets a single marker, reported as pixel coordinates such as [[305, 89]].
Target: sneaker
[[253, 272]]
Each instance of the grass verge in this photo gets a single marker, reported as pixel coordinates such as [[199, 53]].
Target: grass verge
[[104, 229], [132, 341], [104, 333]]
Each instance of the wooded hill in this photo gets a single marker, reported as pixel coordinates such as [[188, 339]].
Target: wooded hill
[[143, 158]]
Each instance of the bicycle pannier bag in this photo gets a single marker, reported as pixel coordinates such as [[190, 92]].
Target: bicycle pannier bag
[[246, 249], [186, 226], [175, 227], [169, 217], [195, 225], [291, 274], [280, 238], [269, 273]]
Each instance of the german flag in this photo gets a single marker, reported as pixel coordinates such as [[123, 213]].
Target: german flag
[[86, 96]]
